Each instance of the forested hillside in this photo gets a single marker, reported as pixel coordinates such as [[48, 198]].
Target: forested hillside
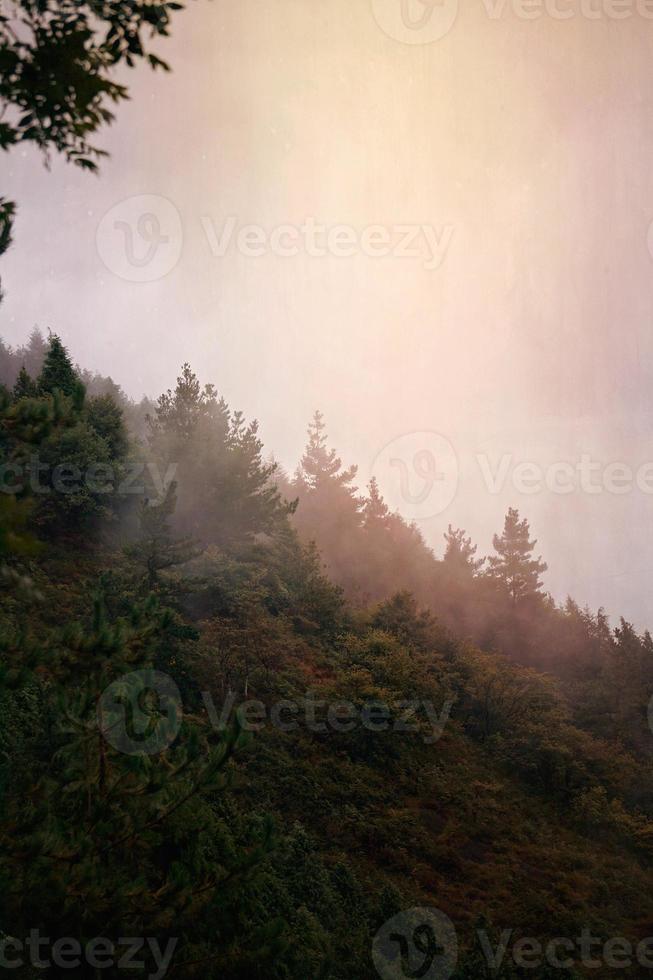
[[313, 722]]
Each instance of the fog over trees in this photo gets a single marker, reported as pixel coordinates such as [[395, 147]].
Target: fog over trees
[[255, 720]]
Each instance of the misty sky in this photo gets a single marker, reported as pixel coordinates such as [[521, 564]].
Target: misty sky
[[518, 154]]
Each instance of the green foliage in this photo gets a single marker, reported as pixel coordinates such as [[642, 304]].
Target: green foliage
[[460, 554], [24, 387], [414, 627], [58, 373], [118, 843], [62, 109], [517, 799], [105, 417], [29, 356], [7, 212], [226, 495], [513, 567], [156, 549], [321, 466]]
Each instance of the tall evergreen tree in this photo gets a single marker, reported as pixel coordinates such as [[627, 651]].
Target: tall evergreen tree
[[460, 554], [157, 549], [58, 373], [226, 492], [25, 387], [376, 513], [329, 508], [321, 466], [514, 567], [6, 364], [106, 418], [401, 616], [32, 354]]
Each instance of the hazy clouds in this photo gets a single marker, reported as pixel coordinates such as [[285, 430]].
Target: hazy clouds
[[516, 319]]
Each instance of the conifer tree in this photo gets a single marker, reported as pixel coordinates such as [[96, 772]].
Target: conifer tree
[[514, 567], [58, 373], [158, 549], [32, 354], [401, 617], [110, 832], [25, 387], [321, 466], [460, 553], [182, 413], [376, 513], [6, 364], [226, 492], [329, 507], [106, 418], [24, 424]]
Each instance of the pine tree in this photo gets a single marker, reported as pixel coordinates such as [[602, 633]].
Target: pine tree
[[329, 507], [158, 549], [513, 567], [32, 354], [376, 514], [24, 424], [111, 830], [401, 617], [227, 495], [58, 373], [459, 557], [181, 414], [6, 364], [321, 466], [106, 418], [25, 387]]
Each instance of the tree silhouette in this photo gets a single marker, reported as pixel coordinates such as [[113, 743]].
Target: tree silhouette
[[322, 466], [25, 387], [459, 555], [58, 60], [513, 567], [58, 373]]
